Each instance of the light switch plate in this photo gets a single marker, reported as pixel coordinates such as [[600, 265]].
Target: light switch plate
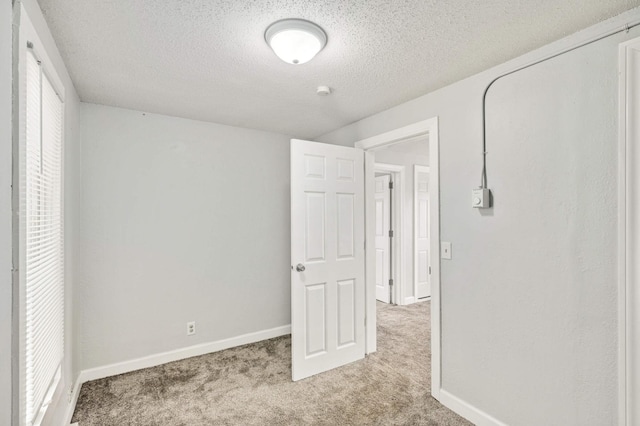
[[445, 250]]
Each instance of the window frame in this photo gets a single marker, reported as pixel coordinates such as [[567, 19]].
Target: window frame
[[29, 40]]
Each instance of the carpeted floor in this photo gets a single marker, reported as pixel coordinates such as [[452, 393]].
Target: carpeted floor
[[251, 385]]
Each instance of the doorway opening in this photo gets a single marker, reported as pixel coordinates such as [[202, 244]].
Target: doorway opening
[[401, 221], [415, 152], [333, 289]]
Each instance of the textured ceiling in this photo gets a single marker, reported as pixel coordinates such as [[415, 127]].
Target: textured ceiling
[[207, 59]]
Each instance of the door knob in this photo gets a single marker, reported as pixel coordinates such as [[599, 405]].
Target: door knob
[[300, 267]]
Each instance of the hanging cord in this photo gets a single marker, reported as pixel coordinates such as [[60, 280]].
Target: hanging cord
[[483, 179]]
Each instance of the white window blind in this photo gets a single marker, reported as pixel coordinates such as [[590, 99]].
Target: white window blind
[[43, 249]]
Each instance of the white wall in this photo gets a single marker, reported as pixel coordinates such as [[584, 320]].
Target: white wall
[[181, 221], [34, 20], [6, 320], [529, 333], [408, 160], [72, 187]]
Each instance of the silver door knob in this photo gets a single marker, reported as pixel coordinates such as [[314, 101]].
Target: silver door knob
[[300, 267]]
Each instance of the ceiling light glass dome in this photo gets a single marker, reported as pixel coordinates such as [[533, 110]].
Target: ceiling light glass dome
[[295, 41]]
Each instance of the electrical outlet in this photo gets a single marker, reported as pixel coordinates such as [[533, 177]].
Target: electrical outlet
[[191, 328]]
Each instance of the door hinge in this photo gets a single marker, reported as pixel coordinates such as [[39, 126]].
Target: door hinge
[[429, 270], [391, 282], [390, 185], [390, 233]]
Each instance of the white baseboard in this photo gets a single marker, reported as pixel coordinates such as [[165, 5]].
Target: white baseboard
[[178, 354], [165, 357], [409, 300], [466, 410], [73, 400], [412, 299]]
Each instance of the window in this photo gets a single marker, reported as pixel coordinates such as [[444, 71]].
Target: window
[[41, 251]]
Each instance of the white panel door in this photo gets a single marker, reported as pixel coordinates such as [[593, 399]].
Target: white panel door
[[327, 257], [421, 231], [383, 243]]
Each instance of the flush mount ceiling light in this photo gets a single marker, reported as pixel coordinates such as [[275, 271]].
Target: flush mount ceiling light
[[295, 41]]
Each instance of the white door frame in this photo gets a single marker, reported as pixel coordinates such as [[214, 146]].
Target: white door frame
[[629, 235], [413, 131], [397, 206], [417, 169]]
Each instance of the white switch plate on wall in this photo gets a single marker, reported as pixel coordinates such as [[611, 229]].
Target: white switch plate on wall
[[445, 249]]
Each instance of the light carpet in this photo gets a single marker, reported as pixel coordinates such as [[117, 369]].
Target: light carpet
[[251, 385]]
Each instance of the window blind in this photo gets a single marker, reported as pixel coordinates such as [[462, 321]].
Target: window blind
[[43, 250]]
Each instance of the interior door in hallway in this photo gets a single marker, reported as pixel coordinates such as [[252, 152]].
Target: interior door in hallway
[[422, 268], [327, 257], [383, 243]]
